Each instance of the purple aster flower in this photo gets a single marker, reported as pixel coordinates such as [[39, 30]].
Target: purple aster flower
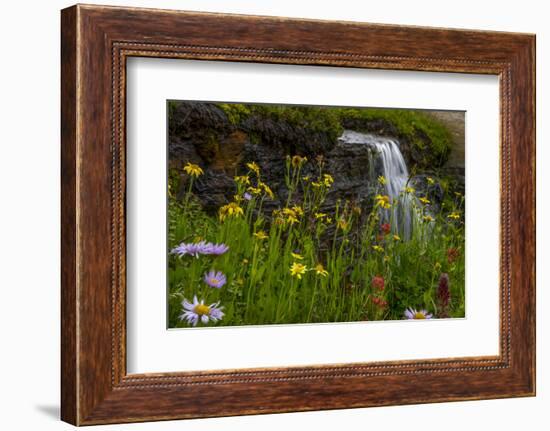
[[411, 313], [215, 279], [247, 196], [198, 248], [216, 249], [195, 311]]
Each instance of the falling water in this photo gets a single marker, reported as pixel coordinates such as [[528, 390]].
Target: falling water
[[394, 170]]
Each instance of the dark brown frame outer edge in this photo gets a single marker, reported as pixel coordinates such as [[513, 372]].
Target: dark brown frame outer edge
[[95, 42]]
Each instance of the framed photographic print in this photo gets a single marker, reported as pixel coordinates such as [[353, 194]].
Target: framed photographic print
[[265, 215]]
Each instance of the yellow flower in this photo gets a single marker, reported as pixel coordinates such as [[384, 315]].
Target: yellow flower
[[320, 270], [409, 190], [306, 178], [378, 248], [230, 210], [297, 270], [261, 234], [298, 210], [454, 215], [396, 238], [382, 180], [428, 218], [424, 200], [298, 161], [255, 190], [245, 261], [328, 180], [437, 266], [242, 179], [430, 180], [329, 220], [315, 184], [320, 215], [193, 170], [291, 219], [342, 224], [383, 201], [253, 167], [297, 256], [266, 189]]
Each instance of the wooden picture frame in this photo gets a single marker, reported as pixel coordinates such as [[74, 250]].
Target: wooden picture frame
[[95, 43]]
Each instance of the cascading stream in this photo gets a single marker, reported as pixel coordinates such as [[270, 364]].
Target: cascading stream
[[396, 174]]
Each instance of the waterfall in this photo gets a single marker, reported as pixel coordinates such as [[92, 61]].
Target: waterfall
[[394, 169]]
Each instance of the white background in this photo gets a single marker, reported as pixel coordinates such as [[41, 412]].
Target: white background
[[29, 220], [151, 348]]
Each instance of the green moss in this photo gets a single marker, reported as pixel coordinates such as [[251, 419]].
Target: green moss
[[311, 118]]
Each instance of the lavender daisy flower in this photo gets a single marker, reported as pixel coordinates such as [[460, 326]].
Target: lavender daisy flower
[[216, 249], [411, 313], [215, 279], [198, 248], [247, 196], [195, 311]]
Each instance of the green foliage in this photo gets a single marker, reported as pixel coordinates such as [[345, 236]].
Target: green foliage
[[351, 248]]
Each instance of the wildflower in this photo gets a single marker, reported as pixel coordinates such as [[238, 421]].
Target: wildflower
[[328, 180], [202, 247], [245, 261], [452, 254], [297, 256], [411, 313], [430, 180], [253, 167], [320, 215], [297, 270], [437, 266], [378, 248], [356, 209], [298, 161], [382, 180], [342, 224], [380, 302], [215, 279], [383, 201], [298, 210], [193, 170], [409, 190], [443, 296], [385, 228], [266, 189], [195, 311], [454, 215], [306, 178], [230, 210], [397, 238], [320, 270], [242, 180], [428, 218], [424, 200], [255, 190], [261, 234], [247, 196], [378, 282], [315, 184]]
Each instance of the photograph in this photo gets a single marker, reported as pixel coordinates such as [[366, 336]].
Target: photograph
[[301, 214]]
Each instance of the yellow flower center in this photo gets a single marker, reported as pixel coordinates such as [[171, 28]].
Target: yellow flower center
[[213, 280], [419, 315], [202, 309]]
